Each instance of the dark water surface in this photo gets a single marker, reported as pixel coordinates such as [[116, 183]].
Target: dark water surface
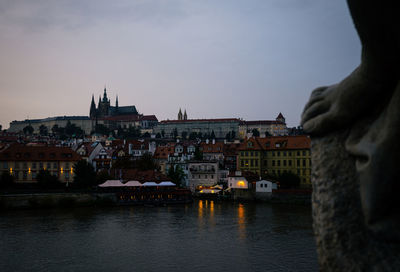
[[203, 236]]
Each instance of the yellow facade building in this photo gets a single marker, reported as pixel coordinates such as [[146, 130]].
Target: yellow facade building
[[25, 162], [277, 155]]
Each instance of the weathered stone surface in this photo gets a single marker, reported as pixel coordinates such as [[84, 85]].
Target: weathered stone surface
[[344, 240]]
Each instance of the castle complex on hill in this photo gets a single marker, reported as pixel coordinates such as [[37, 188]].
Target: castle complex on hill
[[104, 108]]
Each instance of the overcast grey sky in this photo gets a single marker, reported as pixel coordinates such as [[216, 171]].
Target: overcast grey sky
[[216, 58]]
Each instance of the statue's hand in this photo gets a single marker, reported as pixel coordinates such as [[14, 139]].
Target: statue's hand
[[321, 112], [340, 105]]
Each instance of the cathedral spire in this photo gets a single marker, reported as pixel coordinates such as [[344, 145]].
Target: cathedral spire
[[185, 115], [180, 114], [116, 102], [105, 95], [92, 112]]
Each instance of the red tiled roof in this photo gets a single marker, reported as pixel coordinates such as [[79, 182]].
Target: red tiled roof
[[263, 122], [286, 142], [19, 152], [162, 152], [217, 147], [149, 118]]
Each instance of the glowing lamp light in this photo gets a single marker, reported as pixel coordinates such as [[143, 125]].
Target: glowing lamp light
[[212, 191], [29, 170], [72, 170], [10, 170], [62, 170], [240, 183], [201, 191]]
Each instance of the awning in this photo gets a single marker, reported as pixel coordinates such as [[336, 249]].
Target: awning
[[112, 183]]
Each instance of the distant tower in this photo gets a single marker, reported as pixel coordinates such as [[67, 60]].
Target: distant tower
[[116, 104], [92, 113], [185, 115], [280, 118], [180, 117]]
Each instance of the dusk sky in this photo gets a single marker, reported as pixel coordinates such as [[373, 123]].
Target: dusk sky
[[248, 59]]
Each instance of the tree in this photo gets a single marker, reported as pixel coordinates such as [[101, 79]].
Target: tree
[[102, 129], [228, 136], [163, 133], [146, 162], [267, 134], [176, 174], [158, 135], [43, 131], [85, 176], [184, 134], [198, 155], [6, 180], [175, 133], [233, 134], [193, 136], [288, 180], [102, 176], [28, 130], [255, 132], [46, 180], [146, 135], [212, 134]]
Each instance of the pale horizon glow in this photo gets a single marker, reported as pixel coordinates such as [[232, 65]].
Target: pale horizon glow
[[214, 58]]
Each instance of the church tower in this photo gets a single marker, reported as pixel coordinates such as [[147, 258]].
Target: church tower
[[185, 115], [92, 112], [180, 116]]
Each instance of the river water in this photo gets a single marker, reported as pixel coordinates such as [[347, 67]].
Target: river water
[[203, 236]]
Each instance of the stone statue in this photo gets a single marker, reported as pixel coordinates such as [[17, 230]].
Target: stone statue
[[355, 129]]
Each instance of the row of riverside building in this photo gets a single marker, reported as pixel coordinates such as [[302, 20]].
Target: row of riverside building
[[261, 156]]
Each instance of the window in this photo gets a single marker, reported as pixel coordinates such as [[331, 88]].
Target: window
[[256, 153], [284, 153], [212, 176], [34, 165], [290, 162], [5, 165], [48, 165], [273, 153], [279, 153], [40, 165], [279, 163], [247, 153], [284, 162], [251, 153], [242, 163], [298, 153], [242, 153], [17, 165], [24, 175], [251, 162], [273, 162], [34, 174], [304, 162], [261, 185], [55, 165], [304, 153], [67, 165], [25, 165], [265, 163], [256, 162], [290, 153], [298, 162]]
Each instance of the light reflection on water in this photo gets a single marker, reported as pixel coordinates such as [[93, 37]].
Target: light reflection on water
[[203, 236]]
